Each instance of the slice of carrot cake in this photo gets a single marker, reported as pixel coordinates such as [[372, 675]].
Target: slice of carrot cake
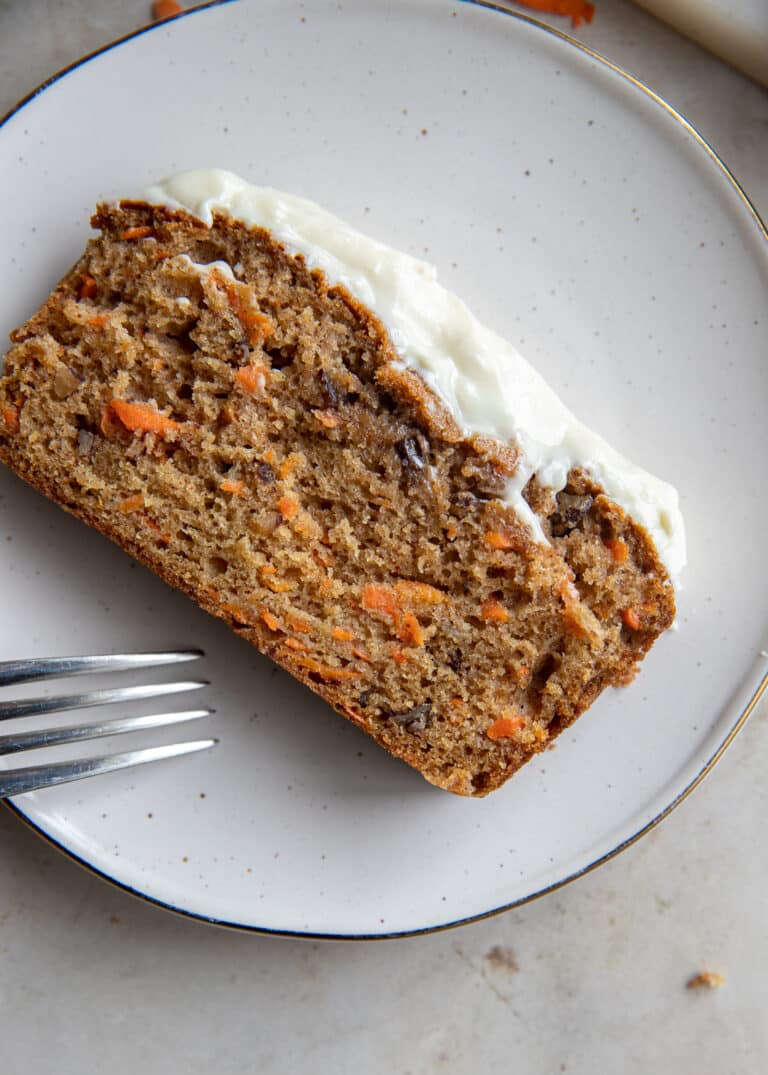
[[301, 429]]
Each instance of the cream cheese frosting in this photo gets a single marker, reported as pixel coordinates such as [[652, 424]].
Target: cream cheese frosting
[[485, 382]]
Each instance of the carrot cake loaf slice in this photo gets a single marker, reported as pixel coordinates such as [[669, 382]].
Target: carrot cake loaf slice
[[301, 429]]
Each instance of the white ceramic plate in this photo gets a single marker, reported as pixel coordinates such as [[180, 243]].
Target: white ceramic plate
[[578, 215]]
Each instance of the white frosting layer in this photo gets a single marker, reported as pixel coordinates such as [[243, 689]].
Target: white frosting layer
[[486, 383]]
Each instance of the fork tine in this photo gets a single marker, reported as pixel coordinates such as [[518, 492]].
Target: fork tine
[[53, 667], [17, 781], [29, 707], [49, 737]]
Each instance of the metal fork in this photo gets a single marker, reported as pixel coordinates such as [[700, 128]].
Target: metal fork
[[31, 778]]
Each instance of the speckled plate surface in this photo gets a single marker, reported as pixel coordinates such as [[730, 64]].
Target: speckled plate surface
[[579, 216]]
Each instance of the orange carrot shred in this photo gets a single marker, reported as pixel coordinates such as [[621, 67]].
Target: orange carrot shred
[[142, 231], [326, 671], [418, 593], [329, 419], [252, 378], [618, 549], [267, 569], [142, 417], [165, 9], [380, 599], [451, 531], [341, 634], [360, 654], [493, 611], [132, 503], [288, 506], [631, 619], [271, 621], [270, 456], [296, 644], [238, 488], [505, 727], [87, 289], [399, 657], [299, 626], [410, 631], [576, 10], [497, 540], [163, 535], [11, 418]]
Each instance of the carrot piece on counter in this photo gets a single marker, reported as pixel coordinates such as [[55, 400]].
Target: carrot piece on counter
[[576, 10], [618, 549], [631, 619], [165, 9], [410, 631], [238, 488], [492, 611], [505, 727], [142, 418], [141, 231]]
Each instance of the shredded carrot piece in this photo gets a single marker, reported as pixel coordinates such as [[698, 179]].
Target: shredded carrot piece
[[161, 255], [163, 535], [272, 622], [270, 457], [294, 460], [252, 378], [329, 419], [133, 503], [360, 654], [618, 549], [165, 9], [288, 506], [505, 727], [400, 657], [576, 10], [326, 671], [380, 599], [493, 611], [87, 288], [142, 231], [238, 488], [341, 634], [410, 631], [299, 626], [257, 326], [142, 417], [451, 531], [267, 569], [296, 644], [497, 540], [11, 418], [99, 321], [631, 619], [239, 614], [418, 593]]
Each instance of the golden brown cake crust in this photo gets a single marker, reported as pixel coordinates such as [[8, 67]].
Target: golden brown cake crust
[[253, 440]]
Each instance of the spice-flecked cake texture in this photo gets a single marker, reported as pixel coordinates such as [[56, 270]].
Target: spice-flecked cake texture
[[244, 429]]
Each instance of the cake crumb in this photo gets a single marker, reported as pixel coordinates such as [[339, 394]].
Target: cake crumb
[[502, 957], [705, 979]]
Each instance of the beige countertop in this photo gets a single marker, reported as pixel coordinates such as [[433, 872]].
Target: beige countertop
[[590, 979]]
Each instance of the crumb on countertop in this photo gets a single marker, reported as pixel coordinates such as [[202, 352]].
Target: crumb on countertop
[[705, 979]]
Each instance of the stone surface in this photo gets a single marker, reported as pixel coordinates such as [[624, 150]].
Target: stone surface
[[590, 979]]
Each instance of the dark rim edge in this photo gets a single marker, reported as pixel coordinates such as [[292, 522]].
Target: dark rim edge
[[711, 761]]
